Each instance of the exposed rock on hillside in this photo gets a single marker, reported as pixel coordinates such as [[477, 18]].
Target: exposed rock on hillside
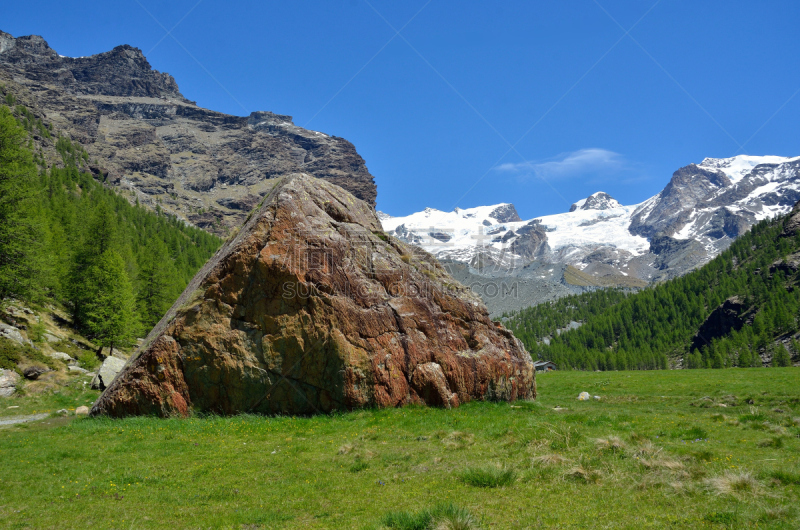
[[149, 141], [312, 308], [596, 201], [674, 205], [793, 223], [505, 213], [720, 323]]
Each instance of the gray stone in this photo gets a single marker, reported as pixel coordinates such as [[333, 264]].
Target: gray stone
[[118, 354], [61, 356], [8, 382], [82, 411], [49, 337], [78, 369], [108, 371], [12, 333]]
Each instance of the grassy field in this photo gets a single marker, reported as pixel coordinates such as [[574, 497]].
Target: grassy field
[[665, 449]]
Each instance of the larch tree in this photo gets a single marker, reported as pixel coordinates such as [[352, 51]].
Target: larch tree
[[156, 278], [110, 312], [20, 233]]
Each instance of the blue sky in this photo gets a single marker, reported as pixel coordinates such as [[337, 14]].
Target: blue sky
[[471, 103]]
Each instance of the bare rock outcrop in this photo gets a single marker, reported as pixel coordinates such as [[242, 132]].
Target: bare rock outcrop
[[792, 226], [721, 322], [310, 308], [151, 143]]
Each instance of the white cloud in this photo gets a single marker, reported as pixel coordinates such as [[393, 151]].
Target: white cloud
[[583, 162]]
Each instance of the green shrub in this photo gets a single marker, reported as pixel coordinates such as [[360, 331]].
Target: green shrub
[[693, 433], [358, 466], [36, 332], [12, 353], [9, 354], [786, 477], [445, 515], [408, 520], [725, 518], [488, 477], [88, 360], [776, 442]]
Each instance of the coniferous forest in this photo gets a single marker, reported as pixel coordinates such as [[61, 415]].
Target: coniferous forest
[[64, 237], [655, 327]]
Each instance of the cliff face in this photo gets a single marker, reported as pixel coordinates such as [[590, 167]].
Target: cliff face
[[312, 308], [145, 138]]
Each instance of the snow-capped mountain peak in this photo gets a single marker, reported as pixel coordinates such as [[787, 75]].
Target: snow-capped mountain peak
[[596, 201], [700, 211], [738, 166]]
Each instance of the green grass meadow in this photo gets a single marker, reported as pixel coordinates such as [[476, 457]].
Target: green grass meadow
[[660, 449]]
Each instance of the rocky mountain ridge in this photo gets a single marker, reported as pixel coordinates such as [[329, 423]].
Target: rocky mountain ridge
[[146, 139], [702, 209]]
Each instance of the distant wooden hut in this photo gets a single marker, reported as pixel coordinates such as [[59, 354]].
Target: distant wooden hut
[[544, 366]]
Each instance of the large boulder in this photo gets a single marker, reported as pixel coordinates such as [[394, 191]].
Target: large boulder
[[312, 308], [108, 371]]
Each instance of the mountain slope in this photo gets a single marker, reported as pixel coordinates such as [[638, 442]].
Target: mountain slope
[[740, 309], [145, 138]]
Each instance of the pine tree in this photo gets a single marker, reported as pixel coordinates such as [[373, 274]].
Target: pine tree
[[781, 356], [99, 239], [156, 277], [745, 359], [20, 233], [110, 313]]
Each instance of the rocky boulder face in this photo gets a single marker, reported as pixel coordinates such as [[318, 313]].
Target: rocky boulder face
[[152, 144], [313, 308]]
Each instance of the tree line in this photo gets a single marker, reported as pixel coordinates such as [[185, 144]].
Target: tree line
[[645, 330], [116, 266]]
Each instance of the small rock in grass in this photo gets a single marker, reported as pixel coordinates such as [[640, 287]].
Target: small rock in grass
[[597, 398], [62, 412], [583, 396], [49, 337], [61, 356], [82, 411], [33, 372]]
